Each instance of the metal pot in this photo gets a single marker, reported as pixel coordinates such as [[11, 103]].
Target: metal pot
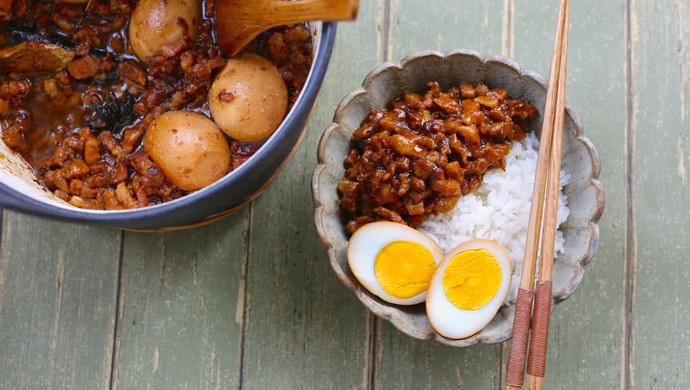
[[20, 191]]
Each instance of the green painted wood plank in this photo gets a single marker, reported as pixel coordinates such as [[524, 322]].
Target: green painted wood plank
[[180, 296], [403, 362], [447, 25], [58, 284], [406, 363], [585, 343], [305, 330], [661, 36]]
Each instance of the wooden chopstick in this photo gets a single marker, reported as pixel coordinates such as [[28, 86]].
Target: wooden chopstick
[[536, 361], [552, 113]]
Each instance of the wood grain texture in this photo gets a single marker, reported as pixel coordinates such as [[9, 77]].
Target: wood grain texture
[[304, 329], [585, 340], [180, 296], [660, 63], [449, 24], [57, 304], [402, 362], [185, 321], [406, 363], [630, 211]]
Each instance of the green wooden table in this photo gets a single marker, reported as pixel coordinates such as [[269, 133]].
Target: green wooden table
[[251, 302]]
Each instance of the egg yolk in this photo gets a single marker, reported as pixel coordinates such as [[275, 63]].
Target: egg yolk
[[404, 268], [472, 278]]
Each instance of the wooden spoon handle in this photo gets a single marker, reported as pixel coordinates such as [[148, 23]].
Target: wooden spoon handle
[[240, 21], [298, 11]]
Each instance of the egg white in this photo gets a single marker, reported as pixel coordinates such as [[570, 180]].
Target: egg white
[[367, 242], [455, 323]]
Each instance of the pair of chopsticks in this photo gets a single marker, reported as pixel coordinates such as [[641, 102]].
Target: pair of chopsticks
[[544, 201]]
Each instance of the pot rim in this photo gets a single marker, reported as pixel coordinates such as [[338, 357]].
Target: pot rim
[[13, 199]]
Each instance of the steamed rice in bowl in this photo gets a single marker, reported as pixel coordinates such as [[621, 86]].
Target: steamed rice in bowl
[[499, 210]]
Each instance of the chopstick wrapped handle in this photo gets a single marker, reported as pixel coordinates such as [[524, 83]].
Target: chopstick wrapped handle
[[536, 362], [518, 345]]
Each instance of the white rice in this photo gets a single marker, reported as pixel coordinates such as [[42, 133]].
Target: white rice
[[499, 209]]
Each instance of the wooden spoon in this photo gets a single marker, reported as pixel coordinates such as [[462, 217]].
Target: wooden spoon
[[240, 21]]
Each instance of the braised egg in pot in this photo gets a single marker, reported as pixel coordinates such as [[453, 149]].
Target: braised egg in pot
[[248, 98], [189, 147], [156, 24]]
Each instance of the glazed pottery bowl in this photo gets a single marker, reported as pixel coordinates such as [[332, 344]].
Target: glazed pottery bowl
[[19, 189], [388, 81]]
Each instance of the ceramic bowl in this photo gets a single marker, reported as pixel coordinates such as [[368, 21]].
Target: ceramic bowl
[[585, 193], [19, 189]]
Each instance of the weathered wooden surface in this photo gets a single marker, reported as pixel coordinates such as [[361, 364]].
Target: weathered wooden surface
[[180, 293], [250, 302], [660, 306], [58, 286]]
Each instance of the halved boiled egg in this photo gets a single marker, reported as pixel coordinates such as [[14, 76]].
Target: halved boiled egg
[[393, 261], [468, 288]]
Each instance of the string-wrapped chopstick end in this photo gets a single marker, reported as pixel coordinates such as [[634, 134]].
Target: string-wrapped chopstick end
[[518, 346], [536, 362]]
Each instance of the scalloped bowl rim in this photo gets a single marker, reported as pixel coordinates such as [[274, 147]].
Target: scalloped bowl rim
[[393, 313]]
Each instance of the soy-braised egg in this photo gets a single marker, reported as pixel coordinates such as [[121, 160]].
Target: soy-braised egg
[[190, 149], [156, 24], [468, 288], [249, 98], [393, 261]]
